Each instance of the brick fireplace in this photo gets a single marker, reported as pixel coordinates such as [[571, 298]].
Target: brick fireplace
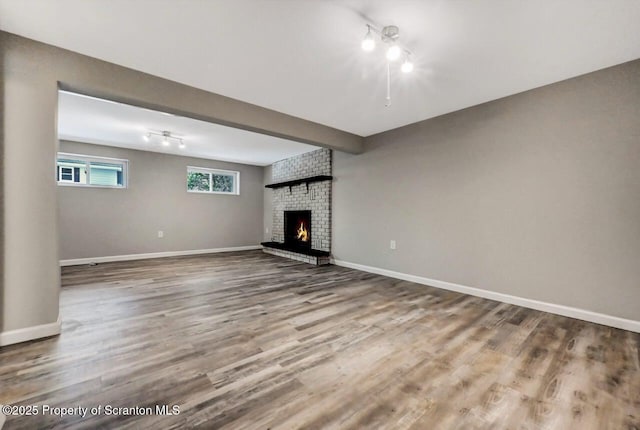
[[308, 193]]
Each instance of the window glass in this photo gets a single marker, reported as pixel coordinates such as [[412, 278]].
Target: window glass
[[71, 171], [108, 174], [204, 180], [198, 181], [223, 183], [85, 170]]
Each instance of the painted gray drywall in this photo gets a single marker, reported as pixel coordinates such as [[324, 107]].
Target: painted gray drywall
[[536, 195], [32, 73], [2, 179], [99, 222], [31, 281], [267, 205]]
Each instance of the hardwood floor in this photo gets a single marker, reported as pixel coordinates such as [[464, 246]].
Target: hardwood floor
[[248, 340]]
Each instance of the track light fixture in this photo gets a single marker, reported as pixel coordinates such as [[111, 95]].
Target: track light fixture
[[166, 138], [389, 35]]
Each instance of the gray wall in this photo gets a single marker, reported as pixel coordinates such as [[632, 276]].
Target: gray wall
[[267, 205], [31, 275], [98, 222], [536, 195], [31, 74]]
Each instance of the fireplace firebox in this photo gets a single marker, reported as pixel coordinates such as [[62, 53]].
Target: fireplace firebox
[[297, 229]]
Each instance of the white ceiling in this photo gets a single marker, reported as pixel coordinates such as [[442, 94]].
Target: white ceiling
[[92, 120], [304, 58]]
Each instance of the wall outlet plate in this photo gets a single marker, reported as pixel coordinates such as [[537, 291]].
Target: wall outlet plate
[[392, 244], [160, 234]]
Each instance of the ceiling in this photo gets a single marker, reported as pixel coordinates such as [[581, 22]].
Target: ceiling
[[303, 58], [92, 120]]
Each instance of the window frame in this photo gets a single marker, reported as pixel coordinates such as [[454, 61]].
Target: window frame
[[212, 171], [60, 173], [87, 166]]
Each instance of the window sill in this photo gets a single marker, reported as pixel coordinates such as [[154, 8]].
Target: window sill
[[115, 187], [213, 192]]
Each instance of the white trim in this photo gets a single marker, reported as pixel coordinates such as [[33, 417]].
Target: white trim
[[211, 170], [60, 173], [129, 257], [567, 311], [85, 157], [213, 192], [30, 333], [79, 185]]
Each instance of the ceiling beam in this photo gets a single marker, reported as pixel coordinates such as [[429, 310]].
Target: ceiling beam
[[90, 76]]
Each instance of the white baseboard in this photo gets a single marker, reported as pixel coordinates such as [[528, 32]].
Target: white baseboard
[[129, 257], [30, 333], [566, 311]]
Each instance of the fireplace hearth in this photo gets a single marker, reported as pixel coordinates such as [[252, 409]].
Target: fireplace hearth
[[297, 240]]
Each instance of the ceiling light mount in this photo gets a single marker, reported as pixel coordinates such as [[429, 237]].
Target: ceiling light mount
[[390, 36], [166, 137], [390, 33]]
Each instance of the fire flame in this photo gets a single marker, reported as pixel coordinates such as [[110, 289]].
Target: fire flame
[[303, 234]]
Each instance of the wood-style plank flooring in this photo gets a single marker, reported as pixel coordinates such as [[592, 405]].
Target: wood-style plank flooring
[[248, 340]]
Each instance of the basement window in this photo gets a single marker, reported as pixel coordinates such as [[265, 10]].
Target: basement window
[[212, 181], [90, 171]]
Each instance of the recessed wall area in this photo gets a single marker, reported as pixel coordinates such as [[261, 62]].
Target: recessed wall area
[[102, 222], [171, 190]]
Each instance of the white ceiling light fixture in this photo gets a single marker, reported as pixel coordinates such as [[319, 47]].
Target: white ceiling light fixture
[[407, 65], [166, 137], [368, 43], [388, 35]]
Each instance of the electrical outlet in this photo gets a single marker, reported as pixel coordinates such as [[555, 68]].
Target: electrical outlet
[[160, 234], [266, 230], [392, 244]]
